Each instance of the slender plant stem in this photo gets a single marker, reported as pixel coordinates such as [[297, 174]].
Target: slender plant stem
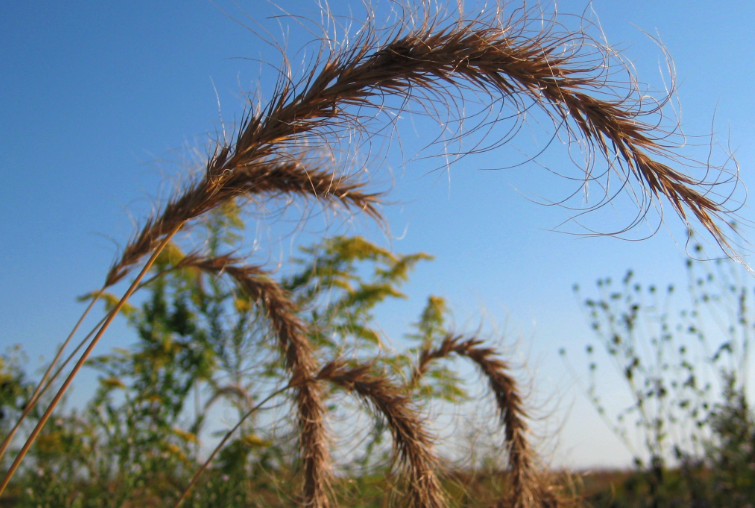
[[67, 360], [222, 443], [39, 390], [84, 356], [37, 396]]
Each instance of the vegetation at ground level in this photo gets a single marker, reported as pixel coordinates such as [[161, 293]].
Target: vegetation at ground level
[[683, 354], [137, 442], [295, 358]]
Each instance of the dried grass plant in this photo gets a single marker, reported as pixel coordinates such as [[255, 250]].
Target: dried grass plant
[[431, 60], [527, 486], [413, 445]]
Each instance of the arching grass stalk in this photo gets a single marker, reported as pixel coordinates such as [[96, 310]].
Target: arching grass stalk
[[299, 356], [412, 444], [111, 316], [527, 486]]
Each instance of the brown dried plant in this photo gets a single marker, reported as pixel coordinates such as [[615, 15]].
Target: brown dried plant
[[413, 445], [528, 489], [299, 358], [227, 179], [291, 333], [419, 62], [434, 61]]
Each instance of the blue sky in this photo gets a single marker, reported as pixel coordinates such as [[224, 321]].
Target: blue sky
[[101, 102]]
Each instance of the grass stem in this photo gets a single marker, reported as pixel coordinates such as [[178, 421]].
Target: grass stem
[[222, 443], [83, 358], [39, 390]]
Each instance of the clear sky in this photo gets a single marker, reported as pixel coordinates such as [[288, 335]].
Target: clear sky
[[101, 102]]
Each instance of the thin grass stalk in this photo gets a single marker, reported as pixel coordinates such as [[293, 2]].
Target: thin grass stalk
[[222, 443], [39, 390], [188, 261], [59, 395], [528, 490], [185, 262], [68, 359], [413, 446]]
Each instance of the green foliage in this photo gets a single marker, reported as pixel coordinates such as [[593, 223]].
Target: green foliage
[[200, 342], [341, 281], [15, 389]]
